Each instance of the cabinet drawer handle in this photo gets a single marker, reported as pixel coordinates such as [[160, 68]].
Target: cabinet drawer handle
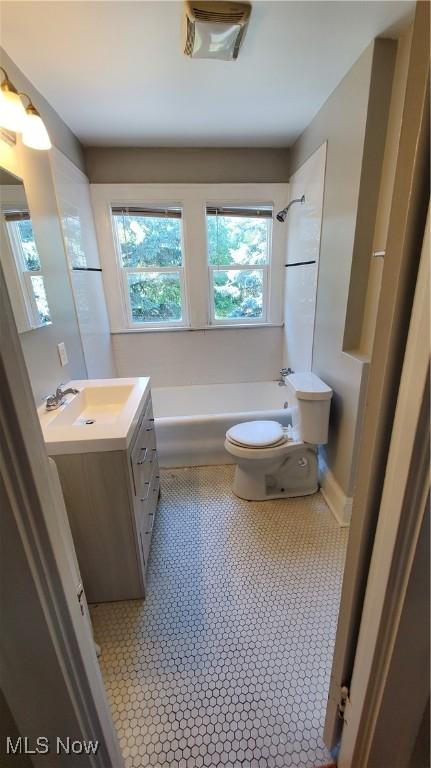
[[149, 429], [142, 548], [142, 461], [148, 533]]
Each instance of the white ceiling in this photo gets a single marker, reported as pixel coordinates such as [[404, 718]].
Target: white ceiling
[[116, 74]]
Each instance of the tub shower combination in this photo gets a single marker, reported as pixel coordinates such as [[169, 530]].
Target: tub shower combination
[[192, 421]]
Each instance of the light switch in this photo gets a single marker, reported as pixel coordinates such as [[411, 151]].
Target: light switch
[[62, 353]]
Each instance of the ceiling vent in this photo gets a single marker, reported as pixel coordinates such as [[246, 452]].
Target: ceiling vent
[[214, 30]]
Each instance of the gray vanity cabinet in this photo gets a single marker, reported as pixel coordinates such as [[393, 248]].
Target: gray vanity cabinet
[[111, 499]]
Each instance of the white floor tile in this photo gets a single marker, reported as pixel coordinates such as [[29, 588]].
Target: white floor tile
[[227, 661]]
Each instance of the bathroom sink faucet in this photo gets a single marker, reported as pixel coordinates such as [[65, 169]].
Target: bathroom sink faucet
[[284, 372], [54, 401]]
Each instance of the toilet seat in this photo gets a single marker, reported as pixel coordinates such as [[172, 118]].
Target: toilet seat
[[256, 434], [270, 452], [282, 441]]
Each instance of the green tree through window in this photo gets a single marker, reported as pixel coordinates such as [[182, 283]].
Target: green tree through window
[[236, 244]]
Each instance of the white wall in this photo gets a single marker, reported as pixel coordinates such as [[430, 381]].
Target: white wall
[[73, 198], [200, 357], [304, 222]]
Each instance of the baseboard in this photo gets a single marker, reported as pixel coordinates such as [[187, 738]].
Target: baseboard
[[337, 501]]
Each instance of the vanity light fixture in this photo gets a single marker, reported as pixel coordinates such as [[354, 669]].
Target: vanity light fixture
[[26, 120], [12, 112], [34, 133]]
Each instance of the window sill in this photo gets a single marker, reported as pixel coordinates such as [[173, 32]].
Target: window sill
[[185, 329]]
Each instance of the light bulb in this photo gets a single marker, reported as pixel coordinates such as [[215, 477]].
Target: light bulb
[[34, 133], [12, 112]]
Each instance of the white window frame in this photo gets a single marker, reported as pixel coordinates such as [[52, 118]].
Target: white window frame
[[27, 303], [193, 200], [124, 271], [264, 268]]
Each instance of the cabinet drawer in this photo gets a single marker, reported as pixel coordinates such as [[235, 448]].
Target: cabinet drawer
[[144, 468], [143, 452], [153, 498], [148, 517], [145, 431]]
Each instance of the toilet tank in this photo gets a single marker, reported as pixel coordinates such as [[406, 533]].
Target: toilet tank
[[310, 400]]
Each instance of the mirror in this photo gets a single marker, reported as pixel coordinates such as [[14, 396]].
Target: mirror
[[20, 257]]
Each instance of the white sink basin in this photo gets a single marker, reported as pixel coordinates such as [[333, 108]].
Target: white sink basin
[[102, 416], [97, 405]]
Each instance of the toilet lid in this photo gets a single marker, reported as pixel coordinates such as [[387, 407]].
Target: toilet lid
[[256, 434]]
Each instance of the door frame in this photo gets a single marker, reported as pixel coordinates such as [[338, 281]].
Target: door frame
[[35, 511], [404, 243], [405, 501]]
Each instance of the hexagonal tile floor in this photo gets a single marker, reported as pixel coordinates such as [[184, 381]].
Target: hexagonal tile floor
[[227, 661]]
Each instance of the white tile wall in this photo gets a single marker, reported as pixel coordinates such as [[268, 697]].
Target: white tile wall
[[73, 199], [93, 323], [200, 357], [303, 244]]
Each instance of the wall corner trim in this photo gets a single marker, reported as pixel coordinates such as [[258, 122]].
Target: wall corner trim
[[337, 501]]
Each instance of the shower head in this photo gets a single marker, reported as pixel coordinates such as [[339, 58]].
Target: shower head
[[281, 215]]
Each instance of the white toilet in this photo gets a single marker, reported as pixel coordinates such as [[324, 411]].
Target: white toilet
[[273, 461]]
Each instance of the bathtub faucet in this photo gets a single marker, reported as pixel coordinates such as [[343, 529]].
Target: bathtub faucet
[[284, 372]]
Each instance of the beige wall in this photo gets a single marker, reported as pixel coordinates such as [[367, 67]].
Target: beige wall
[[379, 99], [352, 116], [212, 165], [385, 192], [60, 134]]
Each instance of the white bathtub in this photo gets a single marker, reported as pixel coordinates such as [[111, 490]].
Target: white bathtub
[[191, 421]]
